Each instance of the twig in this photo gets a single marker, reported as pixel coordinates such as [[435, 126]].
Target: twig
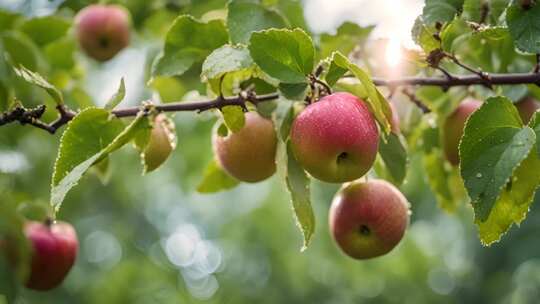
[[466, 80], [416, 101], [33, 116], [537, 65]]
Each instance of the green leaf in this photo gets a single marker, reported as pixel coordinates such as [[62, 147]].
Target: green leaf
[[457, 28], [228, 66], [524, 26], [227, 58], [292, 10], [294, 91], [287, 55], [348, 36], [188, 42], [21, 49], [423, 35], [36, 79], [375, 101], [514, 201], [492, 147], [245, 17], [394, 155], [298, 185], [90, 137], [234, 118], [59, 53], [117, 97], [335, 72], [441, 10], [44, 30], [7, 19], [215, 180]]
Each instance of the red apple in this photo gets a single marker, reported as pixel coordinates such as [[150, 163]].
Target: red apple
[[453, 128], [527, 107], [368, 219], [249, 154], [336, 138], [102, 30], [55, 247]]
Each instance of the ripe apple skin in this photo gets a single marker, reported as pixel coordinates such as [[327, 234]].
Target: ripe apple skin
[[527, 107], [102, 30], [55, 248], [368, 219], [335, 139], [159, 146], [249, 154], [454, 126]]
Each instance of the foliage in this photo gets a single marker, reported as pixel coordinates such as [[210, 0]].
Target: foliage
[[212, 50]]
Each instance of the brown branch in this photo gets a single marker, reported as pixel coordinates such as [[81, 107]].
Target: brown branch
[[33, 116], [466, 80], [412, 97]]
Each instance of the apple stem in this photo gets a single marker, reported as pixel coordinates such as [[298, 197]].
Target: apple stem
[[48, 221]]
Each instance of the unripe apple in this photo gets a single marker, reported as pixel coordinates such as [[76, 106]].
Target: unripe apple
[[336, 138], [102, 30], [55, 247], [249, 154], [368, 219], [454, 126], [160, 144], [527, 107]]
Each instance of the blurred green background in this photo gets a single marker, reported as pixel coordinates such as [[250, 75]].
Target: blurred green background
[[153, 239]]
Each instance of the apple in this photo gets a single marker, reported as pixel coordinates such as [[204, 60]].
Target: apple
[[527, 107], [335, 139], [368, 219], [160, 144], [55, 247], [453, 128], [249, 154], [102, 30]]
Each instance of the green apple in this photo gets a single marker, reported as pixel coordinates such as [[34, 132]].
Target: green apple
[[54, 249], [453, 128], [368, 219], [248, 154], [335, 139], [102, 30]]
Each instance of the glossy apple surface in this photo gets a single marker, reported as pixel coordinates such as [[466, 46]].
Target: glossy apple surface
[[54, 250], [336, 138], [249, 154], [368, 219]]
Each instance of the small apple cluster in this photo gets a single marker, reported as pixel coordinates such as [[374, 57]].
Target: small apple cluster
[[335, 140]]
